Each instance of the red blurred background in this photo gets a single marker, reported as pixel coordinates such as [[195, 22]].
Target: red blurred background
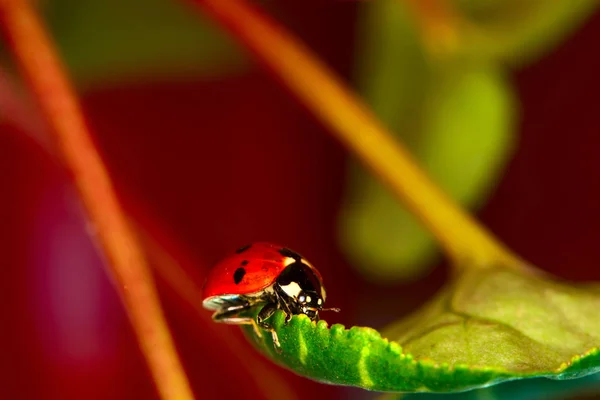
[[220, 163]]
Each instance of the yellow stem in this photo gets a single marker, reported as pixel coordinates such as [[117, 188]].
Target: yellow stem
[[42, 69], [356, 127]]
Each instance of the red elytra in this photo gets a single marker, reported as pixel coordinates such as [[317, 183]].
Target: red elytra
[[262, 263]]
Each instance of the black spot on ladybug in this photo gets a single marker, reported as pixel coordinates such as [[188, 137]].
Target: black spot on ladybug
[[289, 253], [244, 263], [243, 249], [238, 275]]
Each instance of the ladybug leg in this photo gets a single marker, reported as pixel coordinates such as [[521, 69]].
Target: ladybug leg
[[276, 343], [230, 315], [263, 315], [288, 312]]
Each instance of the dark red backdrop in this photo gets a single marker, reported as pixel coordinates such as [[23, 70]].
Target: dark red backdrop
[[222, 163]]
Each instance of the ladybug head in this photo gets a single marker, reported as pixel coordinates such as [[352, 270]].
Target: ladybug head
[[309, 303], [300, 289]]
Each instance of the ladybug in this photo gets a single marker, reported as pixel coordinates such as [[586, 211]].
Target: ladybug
[[263, 275]]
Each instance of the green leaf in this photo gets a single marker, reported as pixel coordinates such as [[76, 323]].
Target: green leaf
[[489, 326], [455, 115], [135, 39], [520, 31], [526, 389]]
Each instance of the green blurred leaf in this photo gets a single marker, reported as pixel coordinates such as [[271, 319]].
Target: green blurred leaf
[[133, 39], [520, 31], [491, 325], [455, 115]]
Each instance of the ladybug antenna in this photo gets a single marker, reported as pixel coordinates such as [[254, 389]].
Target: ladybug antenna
[[331, 309]]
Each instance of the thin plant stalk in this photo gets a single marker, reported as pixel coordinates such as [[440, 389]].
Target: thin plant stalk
[[350, 121], [45, 76]]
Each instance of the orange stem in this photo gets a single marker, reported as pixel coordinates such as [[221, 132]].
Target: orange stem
[[44, 74], [170, 262]]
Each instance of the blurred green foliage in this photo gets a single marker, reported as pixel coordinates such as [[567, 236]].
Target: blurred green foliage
[[489, 326], [124, 40], [454, 109], [517, 32]]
